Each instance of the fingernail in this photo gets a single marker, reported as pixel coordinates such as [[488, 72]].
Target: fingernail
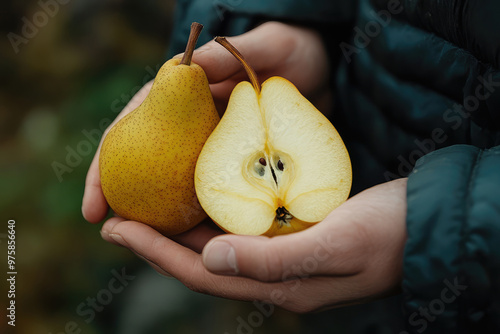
[[118, 239], [220, 257], [83, 211]]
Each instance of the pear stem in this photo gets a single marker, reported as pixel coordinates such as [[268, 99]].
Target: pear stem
[[191, 45], [250, 71]]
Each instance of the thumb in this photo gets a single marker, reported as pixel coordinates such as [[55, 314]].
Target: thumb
[[216, 61], [268, 259]]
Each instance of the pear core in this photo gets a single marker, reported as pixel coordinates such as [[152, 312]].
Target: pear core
[[273, 165]]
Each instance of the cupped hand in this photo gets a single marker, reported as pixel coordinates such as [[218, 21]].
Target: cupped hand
[[272, 48], [353, 256]]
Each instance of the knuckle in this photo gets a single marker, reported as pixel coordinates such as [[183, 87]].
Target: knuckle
[[155, 252], [158, 245]]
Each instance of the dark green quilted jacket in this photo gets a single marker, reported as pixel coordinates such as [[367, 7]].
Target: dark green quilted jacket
[[417, 86]]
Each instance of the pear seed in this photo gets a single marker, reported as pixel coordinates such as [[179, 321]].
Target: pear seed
[[263, 162], [280, 165]]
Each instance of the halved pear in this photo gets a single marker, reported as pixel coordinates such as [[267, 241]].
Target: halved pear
[[274, 164]]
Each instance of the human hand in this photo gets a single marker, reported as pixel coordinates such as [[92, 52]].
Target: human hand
[[272, 49], [355, 255]]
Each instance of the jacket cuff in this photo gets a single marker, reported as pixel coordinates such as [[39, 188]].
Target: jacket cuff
[[451, 280]]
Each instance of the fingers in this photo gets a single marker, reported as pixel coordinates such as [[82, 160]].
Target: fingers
[[94, 205], [261, 47], [316, 251], [197, 237], [356, 236], [169, 258], [273, 48], [217, 63], [257, 257], [182, 263], [107, 227]]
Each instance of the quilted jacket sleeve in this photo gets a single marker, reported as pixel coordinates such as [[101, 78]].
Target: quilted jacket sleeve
[[452, 257]]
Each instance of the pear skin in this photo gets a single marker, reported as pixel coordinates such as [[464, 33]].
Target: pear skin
[[148, 158]]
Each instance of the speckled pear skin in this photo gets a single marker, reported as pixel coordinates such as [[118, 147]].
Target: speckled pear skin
[[148, 159]]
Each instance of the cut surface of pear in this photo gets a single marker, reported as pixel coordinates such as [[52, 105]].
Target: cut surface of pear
[[273, 165]]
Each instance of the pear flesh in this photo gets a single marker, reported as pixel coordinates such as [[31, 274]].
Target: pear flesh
[[273, 165], [148, 158]]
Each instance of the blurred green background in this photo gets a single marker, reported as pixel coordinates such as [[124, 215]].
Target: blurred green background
[[67, 69]]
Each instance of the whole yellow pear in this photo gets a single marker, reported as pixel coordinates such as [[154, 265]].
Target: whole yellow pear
[[148, 158]]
